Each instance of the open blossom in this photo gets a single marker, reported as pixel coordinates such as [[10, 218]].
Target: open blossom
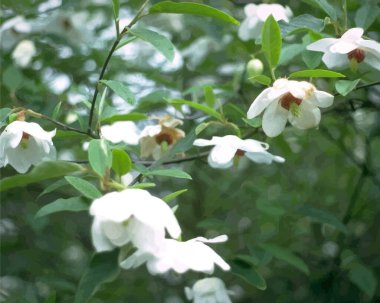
[[350, 47], [132, 215], [23, 144], [256, 15], [227, 147], [179, 256], [296, 101], [24, 53], [208, 290], [153, 137], [121, 131]]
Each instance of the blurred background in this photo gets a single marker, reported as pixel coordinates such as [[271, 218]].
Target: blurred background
[[271, 213]]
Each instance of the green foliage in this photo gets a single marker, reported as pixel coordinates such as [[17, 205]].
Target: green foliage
[[84, 187], [366, 15], [160, 42], [121, 162], [246, 271], [174, 195], [206, 109], [301, 23], [192, 9], [271, 41], [262, 79], [364, 278], [4, 113], [121, 90], [103, 267], [100, 156], [344, 87], [175, 173], [316, 73], [73, 204]]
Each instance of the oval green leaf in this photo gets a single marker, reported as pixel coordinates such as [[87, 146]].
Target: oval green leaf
[[73, 204], [271, 41], [246, 271], [192, 9], [121, 162], [121, 90], [99, 156], [84, 187], [203, 108], [175, 173], [316, 73]]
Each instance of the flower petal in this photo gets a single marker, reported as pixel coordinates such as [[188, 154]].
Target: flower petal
[[309, 117], [372, 60], [321, 99], [259, 104], [274, 120], [321, 45], [335, 61], [99, 239], [264, 157], [370, 46], [221, 156], [352, 34]]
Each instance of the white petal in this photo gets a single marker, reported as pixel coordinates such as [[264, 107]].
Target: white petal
[[221, 156], [370, 46], [321, 99], [135, 260], [121, 131], [372, 60], [218, 239], [116, 233], [264, 157], [259, 104], [343, 47], [99, 240], [250, 10], [250, 145], [321, 45], [352, 34], [335, 60], [274, 120], [310, 116], [203, 142]]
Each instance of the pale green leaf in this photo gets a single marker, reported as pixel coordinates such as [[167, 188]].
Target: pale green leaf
[[121, 162], [171, 196], [116, 8], [99, 156], [126, 41], [160, 42], [52, 187], [4, 113], [172, 172], [301, 23], [262, 79], [73, 204], [121, 90], [84, 187], [44, 171], [125, 117], [209, 95], [316, 73], [192, 9], [203, 108], [344, 87], [271, 41], [366, 15]]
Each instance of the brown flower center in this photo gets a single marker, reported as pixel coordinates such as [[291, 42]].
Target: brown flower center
[[287, 100], [240, 153], [25, 136], [164, 137], [357, 54]]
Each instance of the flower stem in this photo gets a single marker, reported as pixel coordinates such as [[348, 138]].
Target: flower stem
[[105, 65]]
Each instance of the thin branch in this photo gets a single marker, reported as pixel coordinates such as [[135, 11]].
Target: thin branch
[[105, 65], [355, 195]]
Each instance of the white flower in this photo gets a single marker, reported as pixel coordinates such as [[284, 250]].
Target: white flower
[[153, 136], [208, 290], [350, 47], [256, 15], [296, 101], [180, 257], [227, 147], [24, 53], [132, 215], [23, 144], [121, 131]]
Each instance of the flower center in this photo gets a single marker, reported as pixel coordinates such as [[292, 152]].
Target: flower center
[[240, 153], [357, 54], [24, 140], [164, 137], [288, 101]]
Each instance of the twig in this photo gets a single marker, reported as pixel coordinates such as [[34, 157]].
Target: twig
[[355, 195], [105, 65]]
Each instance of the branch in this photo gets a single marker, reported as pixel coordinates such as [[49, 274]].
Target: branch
[[105, 65], [355, 195]]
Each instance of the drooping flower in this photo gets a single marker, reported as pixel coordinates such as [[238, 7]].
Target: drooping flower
[[24, 53], [132, 215], [23, 144], [350, 48], [256, 15], [180, 257], [208, 290], [154, 137], [296, 101], [121, 131], [227, 147]]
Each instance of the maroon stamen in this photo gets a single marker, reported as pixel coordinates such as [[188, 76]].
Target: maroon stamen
[[240, 153], [25, 136], [357, 54], [161, 137], [288, 99]]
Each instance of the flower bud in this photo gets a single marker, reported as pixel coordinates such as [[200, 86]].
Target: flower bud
[[254, 67]]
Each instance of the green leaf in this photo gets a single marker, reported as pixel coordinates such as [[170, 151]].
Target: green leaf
[[102, 102], [174, 195], [271, 41], [84, 187], [209, 95], [262, 79], [364, 278], [116, 8], [12, 78], [143, 185], [366, 15], [121, 90], [103, 267], [301, 23], [53, 187], [45, 171], [325, 6], [172, 172], [126, 41], [287, 256], [255, 122], [203, 108], [316, 73], [73, 204], [322, 217], [99, 156], [160, 42], [247, 272], [4, 113], [56, 110], [344, 87], [121, 162], [52, 298], [201, 127], [192, 9], [125, 117]]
